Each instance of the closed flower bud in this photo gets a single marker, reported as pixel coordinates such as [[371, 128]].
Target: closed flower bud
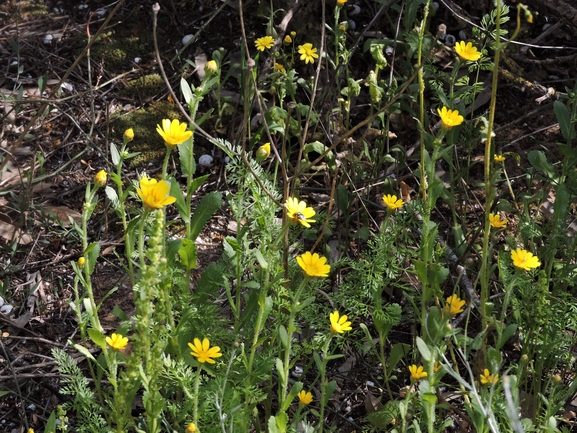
[[211, 67], [128, 135], [81, 261], [100, 178], [263, 152]]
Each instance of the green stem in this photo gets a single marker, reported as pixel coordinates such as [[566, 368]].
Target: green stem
[[323, 383], [196, 387], [166, 159]]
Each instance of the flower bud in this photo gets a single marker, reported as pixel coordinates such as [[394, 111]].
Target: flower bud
[[128, 135], [211, 67], [191, 428], [81, 261], [100, 178], [263, 152], [288, 39]]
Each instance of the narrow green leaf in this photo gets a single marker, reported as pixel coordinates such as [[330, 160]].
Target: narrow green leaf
[[424, 350], [97, 337], [203, 212], [564, 118], [186, 90]]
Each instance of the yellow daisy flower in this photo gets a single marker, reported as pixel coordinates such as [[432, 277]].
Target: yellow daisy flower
[[299, 212], [305, 397], [100, 178], [523, 259], [417, 373], [450, 118], [288, 39], [264, 43], [341, 2], [279, 68], [454, 305], [339, 324], [117, 341], [308, 53], [496, 221], [392, 202], [314, 265], [211, 67], [154, 194], [499, 158], [487, 378], [203, 352], [174, 132], [467, 51], [191, 428]]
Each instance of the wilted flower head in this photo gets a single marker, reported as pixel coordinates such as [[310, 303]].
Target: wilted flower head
[[339, 324], [117, 341], [523, 259], [450, 118], [467, 51], [203, 352], [154, 194], [264, 43], [305, 397], [174, 132], [308, 53], [314, 265]]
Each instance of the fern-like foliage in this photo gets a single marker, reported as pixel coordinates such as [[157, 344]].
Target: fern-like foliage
[[84, 404]]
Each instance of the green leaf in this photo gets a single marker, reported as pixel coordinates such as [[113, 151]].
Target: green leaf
[[342, 199], [424, 350], [51, 423], [84, 351], [564, 119], [280, 371], [113, 197], [97, 337], [539, 161], [186, 156], [186, 90], [283, 336], [398, 352], [297, 387], [203, 212], [187, 253], [114, 154], [197, 182], [180, 202], [329, 389], [509, 331], [91, 254]]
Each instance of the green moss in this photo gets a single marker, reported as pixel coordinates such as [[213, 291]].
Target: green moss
[[143, 87]]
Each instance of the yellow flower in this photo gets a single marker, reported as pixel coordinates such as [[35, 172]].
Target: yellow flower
[[499, 158], [288, 39], [117, 341], [191, 428], [467, 51], [30, 430], [339, 324], [528, 16], [523, 259], [298, 212], [293, 34], [279, 68], [174, 132], [100, 178], [308, 53], [341, 2], [417, 373], [343, 28], [314, 265], [128, 135], [436, 367], [454, 305], [154, 194], [203, 352], [392, 202], [81, 261], [487, 378], [450, 118], [496, 221], [263, 152], [305, 397], [211, 67], [264, 43]]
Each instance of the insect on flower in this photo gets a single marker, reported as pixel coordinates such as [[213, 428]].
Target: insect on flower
[[298, 216]]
